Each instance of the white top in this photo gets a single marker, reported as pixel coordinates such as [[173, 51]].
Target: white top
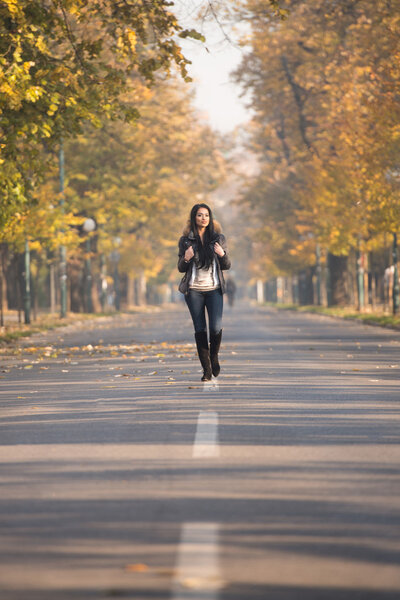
[[205, 279]]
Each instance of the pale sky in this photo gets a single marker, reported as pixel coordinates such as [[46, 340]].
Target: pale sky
[[216, 95]]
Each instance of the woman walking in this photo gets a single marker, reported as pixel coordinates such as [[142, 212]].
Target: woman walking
[[203, 257]]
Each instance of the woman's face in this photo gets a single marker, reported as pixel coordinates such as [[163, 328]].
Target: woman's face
[[202, 218]]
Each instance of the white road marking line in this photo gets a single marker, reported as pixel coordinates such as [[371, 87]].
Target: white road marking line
[[197, 569], [206, 439]]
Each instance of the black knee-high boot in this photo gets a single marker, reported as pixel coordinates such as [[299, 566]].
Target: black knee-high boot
[[204, 354], [215, 343]]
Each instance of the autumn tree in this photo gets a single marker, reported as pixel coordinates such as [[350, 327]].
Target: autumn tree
[[323, 85], [139, 180], [67, 62]]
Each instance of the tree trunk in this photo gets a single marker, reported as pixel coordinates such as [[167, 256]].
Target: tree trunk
[[271, 290], [130, 291], [306, 286], [338, 284], [36, 288], [76, 288], [52, 277], [1, 290], [140, 288], [3, 271], [260, 291]]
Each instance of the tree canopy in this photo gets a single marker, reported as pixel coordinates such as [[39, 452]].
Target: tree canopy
[[66, 62], [324, 87]]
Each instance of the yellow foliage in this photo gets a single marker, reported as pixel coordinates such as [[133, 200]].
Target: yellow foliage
[[324, 86]]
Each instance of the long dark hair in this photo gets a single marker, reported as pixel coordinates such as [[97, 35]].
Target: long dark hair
[[204, 250]]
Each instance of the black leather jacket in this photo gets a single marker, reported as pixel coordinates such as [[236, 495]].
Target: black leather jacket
[[223, 262]]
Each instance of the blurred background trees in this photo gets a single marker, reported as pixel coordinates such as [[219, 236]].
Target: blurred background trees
[[103, 82], [324, 88], [67, 62], [308, 190]]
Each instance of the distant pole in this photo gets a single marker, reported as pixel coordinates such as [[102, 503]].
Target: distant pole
[[63, 251], [88, 269], [360, 280], [52, 288], [318, 269], [116, 284], [88, 226], [328, 276], [395, 277], [103, 282], [27, 291], [115, 258]]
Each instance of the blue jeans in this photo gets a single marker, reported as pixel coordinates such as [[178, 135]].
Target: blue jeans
[[199, 301]]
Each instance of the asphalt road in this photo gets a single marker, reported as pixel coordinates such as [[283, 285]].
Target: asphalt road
[[122, 475]]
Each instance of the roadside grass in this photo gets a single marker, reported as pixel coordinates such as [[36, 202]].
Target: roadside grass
[[13, 332], [371, 318]]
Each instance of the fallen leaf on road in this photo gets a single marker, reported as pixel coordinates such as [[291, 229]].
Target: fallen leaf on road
[[199, 583], [137, 568], [165, 572]]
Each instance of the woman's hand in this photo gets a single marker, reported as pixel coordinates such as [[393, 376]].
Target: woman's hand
[[219, 250], [189, 254]]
